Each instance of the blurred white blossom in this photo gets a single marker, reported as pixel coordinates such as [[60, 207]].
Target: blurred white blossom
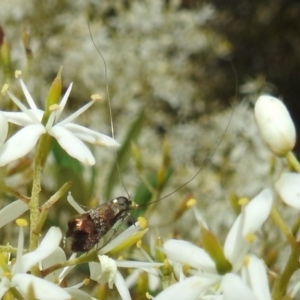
[[288, 187], [67, 134], [275, 124], [21, 280], [236, 248]]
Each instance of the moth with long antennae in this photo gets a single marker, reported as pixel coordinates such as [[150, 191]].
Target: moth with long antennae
[[86, 229]]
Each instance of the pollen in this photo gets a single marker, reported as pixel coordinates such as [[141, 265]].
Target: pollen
[[191, 202], [54, 107], [142, 222], [243, 201], [22, 222], [246, 260], [4, 89], [96, 97], [139, 244], [18, 73], [250, 238]]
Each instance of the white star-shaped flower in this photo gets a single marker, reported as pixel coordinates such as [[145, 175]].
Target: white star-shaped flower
[[106, 270], [70, 136], [19, 278], [203, 267]]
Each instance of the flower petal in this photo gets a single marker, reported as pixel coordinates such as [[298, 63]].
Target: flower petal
[[74, 204], [137, 264], [3, 128], [58, 256], [257, 211], [121, 238], [21, 118], [20, 143], [188, 289], [72, 145], [28, 97], [12, 211], [63, 102], [256, 272], [121, 287], [4, 286], [91, 136], [42, 288], [187, 253], [105, 271], [288, 187], [235, 289], [78, 294], [48, 245], [249, 221]]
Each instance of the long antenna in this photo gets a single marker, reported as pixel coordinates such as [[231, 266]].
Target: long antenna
[[208, 158], [109, 105]]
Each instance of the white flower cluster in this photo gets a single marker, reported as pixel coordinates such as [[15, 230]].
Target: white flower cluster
[[14, 278], [234, 272]]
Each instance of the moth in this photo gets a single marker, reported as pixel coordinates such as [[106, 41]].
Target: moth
[[85, 230]]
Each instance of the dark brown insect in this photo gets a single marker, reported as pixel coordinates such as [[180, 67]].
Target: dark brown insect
[[85, 230]]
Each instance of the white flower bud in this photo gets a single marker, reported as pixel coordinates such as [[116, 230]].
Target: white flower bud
[[275, 124]]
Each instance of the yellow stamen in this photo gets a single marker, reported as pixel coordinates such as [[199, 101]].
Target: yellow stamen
[[250, 238], [97, 97], [18, 73], [191, 202], [22, 222], [4, 89], [142, 222], [243, 201], [54, 107], [246, 260], [139, 244]]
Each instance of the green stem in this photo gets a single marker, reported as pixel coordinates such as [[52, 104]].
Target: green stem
[[283, 280], [14, 193], [91, 256], [16, 293], [36, 188], [282, 226], [293, 162], [46, 206]]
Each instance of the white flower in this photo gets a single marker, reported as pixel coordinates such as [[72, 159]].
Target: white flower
[[12, 211], [188, 289], [67, 134], [3, 129], [107, 269], [275, 124], [189, 254], [248, 222], [237, 244], [22, 281], [251, 285], [288, 187]]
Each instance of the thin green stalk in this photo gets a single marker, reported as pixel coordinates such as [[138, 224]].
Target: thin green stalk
[[16, 293], [92, 256], [36, 188], [282, 226], [283, 279], [14, 193], [293, 162]]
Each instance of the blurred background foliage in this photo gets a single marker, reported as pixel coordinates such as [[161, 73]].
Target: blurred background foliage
[[179, 71]]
